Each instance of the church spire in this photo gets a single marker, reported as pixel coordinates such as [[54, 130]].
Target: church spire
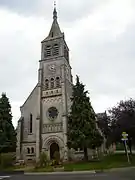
[[55, 29]]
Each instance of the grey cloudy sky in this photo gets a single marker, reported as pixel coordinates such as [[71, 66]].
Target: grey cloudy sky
[[100, 35]]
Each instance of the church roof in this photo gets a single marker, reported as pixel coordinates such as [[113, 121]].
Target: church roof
[[55, 29]]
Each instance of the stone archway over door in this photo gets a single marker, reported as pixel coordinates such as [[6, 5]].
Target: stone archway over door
[[53, 147]]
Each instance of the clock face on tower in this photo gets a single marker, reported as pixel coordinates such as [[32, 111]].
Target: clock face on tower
[[51, 67]]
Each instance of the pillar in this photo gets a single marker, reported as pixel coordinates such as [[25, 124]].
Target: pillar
[[18, 143], [37, 138], [64, 117], [39, 117]]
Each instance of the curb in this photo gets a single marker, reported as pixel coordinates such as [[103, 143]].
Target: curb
[[119, 169], [60, 173], [80, 172], [5, 173], [4, 177]]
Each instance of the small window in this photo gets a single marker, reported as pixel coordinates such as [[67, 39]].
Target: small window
[[48, 51], [32, 150], [57, 82], [30, 123], [46, 84], [52, 83], [28, 150], [56, 49]]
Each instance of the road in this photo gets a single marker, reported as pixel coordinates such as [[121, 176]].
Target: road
[[128, 174]]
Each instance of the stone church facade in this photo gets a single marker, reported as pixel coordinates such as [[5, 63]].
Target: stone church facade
[[43, 122]]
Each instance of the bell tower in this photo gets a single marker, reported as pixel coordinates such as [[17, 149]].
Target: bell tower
[[55, 81], [54, 44]]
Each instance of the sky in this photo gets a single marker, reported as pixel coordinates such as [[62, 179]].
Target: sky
[[101, 38]]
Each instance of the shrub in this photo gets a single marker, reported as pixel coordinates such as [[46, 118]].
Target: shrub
[[37, 165], [61, 161], [43, 162], [70, 154], [7, 160], [53, 163]]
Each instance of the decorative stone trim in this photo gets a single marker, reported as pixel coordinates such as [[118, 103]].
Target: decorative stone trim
[[23, 142], [52, 128], [52, 99], [49, 140]]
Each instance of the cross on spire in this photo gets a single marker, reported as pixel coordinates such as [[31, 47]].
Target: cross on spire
[[54, 4], [55, 12]]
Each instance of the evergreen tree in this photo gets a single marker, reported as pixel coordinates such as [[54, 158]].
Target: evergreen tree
[[82, 129], [7, 131]]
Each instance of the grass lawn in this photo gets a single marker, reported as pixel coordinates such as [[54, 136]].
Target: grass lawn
[[112, 161], [108, 162]]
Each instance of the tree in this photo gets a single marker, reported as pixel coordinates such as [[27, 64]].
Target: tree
[[7, 131], [123, 120], [82, 129], [103, 121]]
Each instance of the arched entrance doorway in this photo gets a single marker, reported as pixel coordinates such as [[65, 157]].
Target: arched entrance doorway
[[53, 147]]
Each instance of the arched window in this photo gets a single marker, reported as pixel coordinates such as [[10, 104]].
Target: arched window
[[52, 83], [28, 150], [48, 51], [57, 82], [56, 49], [30, 123], [46, 84], [32, 150]]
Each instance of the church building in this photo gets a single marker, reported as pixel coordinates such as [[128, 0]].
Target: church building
[[42, 126]]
